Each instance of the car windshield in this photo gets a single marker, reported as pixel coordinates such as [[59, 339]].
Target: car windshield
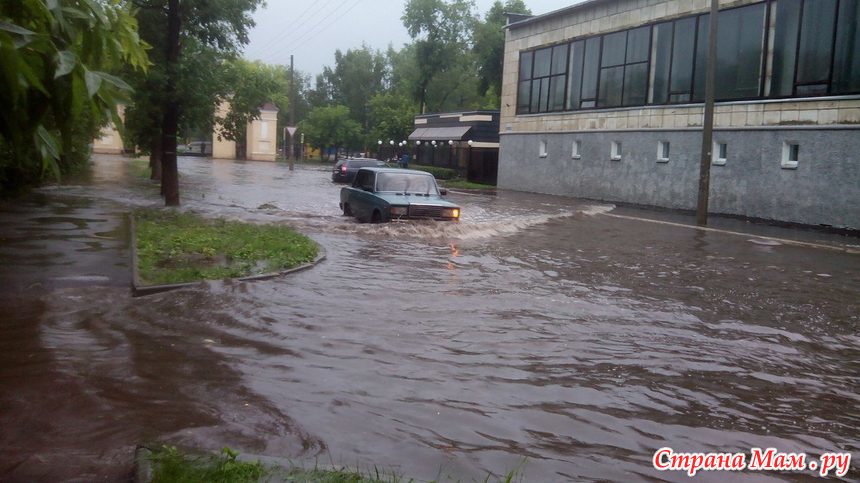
[[406, 183]]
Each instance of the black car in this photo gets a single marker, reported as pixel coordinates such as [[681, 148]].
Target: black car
[[345, 169]]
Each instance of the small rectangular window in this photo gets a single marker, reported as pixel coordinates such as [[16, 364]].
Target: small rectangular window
[[264, 129], [542, 150], [790, 154], [615, 151], [718, 155], [663, 152], [575, 151]]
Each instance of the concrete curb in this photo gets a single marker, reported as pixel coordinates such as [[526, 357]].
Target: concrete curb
[[138, 289]]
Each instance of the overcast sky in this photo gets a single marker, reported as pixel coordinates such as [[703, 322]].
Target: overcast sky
[[311, 30]]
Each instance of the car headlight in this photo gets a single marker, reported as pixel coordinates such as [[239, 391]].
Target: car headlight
[[398, 210], [451, 213]]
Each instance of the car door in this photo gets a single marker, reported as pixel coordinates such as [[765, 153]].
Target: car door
[[361, 196]]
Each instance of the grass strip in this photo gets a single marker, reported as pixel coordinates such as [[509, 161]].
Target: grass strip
[[171, 465], [140, 167], [174, 247]]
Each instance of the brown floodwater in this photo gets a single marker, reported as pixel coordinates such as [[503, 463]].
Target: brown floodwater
[[540, 333]]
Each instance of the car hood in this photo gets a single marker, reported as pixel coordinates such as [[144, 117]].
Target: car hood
[[395, 199]]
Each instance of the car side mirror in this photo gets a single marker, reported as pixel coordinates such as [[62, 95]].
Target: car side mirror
[[443, 191]]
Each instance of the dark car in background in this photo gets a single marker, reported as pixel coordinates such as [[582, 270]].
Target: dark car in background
[[345, 169]]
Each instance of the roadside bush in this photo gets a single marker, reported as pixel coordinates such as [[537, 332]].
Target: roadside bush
[[437, 172]]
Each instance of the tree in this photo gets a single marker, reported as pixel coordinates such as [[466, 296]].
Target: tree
[[489, 40], [357, 76], [391, 117], [331, 126], [55, 87], [250, 84], [167, 94], [441, 32]]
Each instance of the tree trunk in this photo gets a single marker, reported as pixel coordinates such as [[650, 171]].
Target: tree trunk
[[170, 127], [155, 157]]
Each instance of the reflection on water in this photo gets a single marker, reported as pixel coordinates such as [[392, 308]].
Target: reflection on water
[[534, 328]]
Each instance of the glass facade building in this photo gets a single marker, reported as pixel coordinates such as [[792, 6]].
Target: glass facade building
[[767, 50]]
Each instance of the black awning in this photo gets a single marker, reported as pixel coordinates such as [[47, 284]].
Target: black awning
[[456, 133]]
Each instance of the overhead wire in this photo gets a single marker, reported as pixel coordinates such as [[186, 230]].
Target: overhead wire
[[284, 34], [300, 41], [290, 36]]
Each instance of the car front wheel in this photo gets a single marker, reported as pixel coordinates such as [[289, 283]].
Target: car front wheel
[[347, 211]]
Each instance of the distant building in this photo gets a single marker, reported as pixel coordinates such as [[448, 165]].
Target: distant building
[[465, 141], [603, 100], [260, 138], [110, 141]]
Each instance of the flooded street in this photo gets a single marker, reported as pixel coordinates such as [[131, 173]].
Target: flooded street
[[554, 336]]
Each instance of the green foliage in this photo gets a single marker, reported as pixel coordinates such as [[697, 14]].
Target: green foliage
[[437, 172], [390, 116], [212, 33], [441, 31], [248, 86], [357, 76], [170, 465], [489, 48], [182, 247], [331, 127], [56, 83]]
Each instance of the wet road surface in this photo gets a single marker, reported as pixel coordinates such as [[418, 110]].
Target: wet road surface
[[540, 333]]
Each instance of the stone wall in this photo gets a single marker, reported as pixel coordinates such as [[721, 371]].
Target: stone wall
[[823, 188]]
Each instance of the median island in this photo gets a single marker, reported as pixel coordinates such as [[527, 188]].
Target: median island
[[174, 247]]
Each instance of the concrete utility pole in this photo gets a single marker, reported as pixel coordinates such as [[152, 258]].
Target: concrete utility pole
[[708, 121], [290, 155]]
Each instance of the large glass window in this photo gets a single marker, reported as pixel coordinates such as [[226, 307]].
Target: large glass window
[[846, 58], [683, 50], [660, 66], [542, 81], [785, 47], [590, 72], [816, 51], [740, 41], [624, 68], [815, 47], [525, 85], [574, 78]]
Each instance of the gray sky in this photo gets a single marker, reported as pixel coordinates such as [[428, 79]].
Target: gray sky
[[312, 30]]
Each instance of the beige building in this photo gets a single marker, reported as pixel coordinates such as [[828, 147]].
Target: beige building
[[110, 141], [603, 100], [261, 136], [222, 148]]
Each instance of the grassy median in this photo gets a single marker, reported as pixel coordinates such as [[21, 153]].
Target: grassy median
[[175, 247], [170, 465]]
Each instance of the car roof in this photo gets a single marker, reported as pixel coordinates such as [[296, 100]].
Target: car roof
[[396, 170]]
